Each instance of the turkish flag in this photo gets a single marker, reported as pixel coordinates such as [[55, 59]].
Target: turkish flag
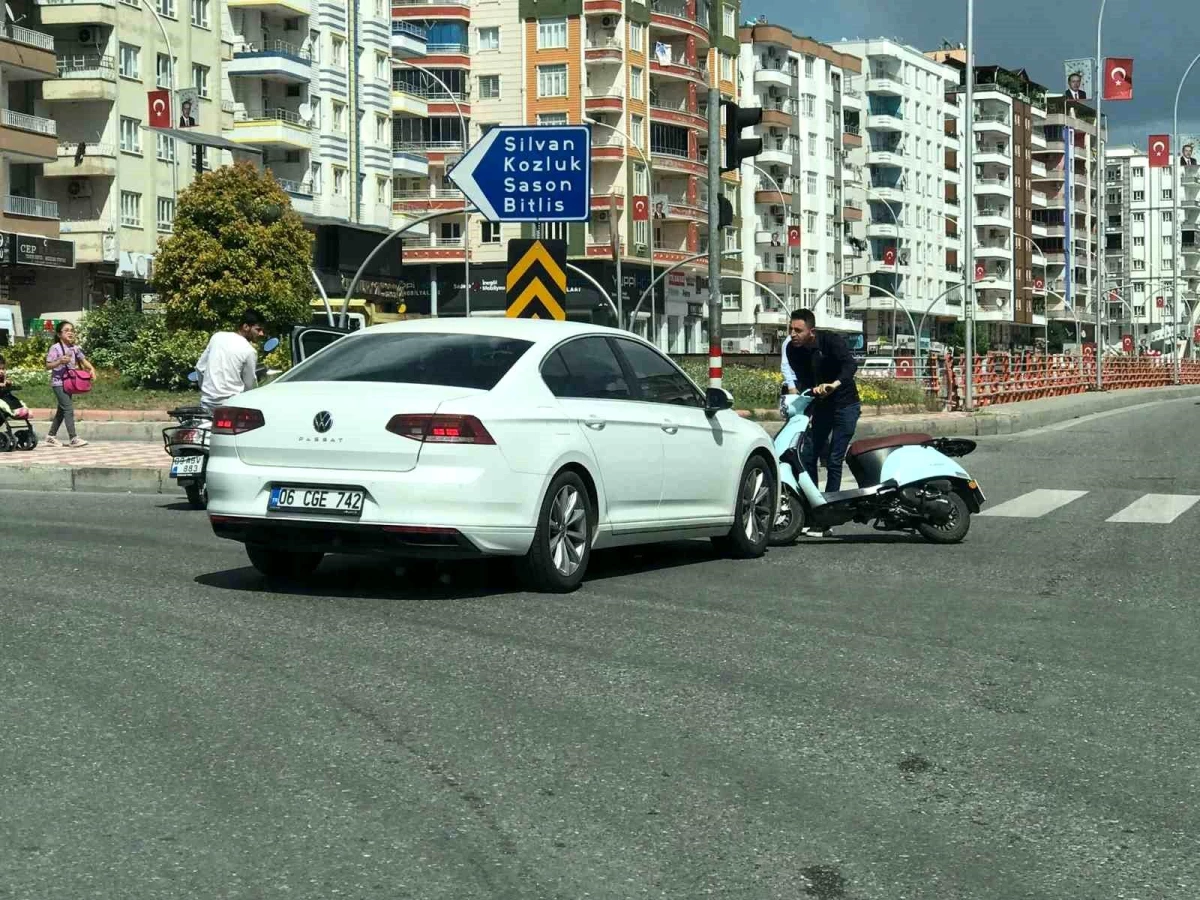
[[1160, 150], [1114, 296], [1160, 302], [1039, 284], [1127, 343], [1118, 78], [159, 103], [641, 209], [889, 256], [793, 235], [980, 271], [1196, 335]]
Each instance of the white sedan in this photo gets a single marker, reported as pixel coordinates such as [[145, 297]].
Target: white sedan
[[451, 438]]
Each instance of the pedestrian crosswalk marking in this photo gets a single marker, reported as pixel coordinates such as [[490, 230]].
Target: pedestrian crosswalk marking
[[1156, 509], [1034, 504]]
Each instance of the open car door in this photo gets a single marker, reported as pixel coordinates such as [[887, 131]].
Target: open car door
[[308, 339]]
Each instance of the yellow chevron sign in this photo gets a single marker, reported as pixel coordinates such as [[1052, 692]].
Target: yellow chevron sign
[[537, 279]]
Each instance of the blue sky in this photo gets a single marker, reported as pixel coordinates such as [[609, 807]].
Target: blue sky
[[1036, 35]]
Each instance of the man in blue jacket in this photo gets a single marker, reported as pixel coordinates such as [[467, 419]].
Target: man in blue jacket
[[820, 361]]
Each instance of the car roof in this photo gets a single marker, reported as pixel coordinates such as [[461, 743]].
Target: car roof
[[539, 331]]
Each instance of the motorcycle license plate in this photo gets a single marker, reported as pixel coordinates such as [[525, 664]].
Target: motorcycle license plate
[[187, 465], [316, 500]]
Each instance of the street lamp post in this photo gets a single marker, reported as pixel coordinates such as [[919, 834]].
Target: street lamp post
[[1176, 231], [629, 142], [968, 228], [467, 208], [1101, 169]]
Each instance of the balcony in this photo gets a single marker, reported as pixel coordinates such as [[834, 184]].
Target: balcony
[[607, 50], [281, 8], [677, 113], [300, 194], [410, 40], [774, 155], [892, 157], [30, 207], [433, 247], [993, 124], [993, 186], [673, 17], [883, 230], [78, 12], [677, 160], [82, 77], [884, 83], [604, 99], [275, 60], [993, 217], [607, 146], [1037, 140], [771, 277], [273, 128], [1038, 199], [27, 139], [99, 161], [888, 193], [431, 9], [991, 154], [677, 67], [773, 75], [884, 122], [25, 54], [993, 251]]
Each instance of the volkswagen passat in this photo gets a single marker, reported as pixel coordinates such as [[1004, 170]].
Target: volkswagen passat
[[446, 438]]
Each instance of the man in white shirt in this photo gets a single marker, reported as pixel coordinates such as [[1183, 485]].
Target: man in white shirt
[[227, 365]]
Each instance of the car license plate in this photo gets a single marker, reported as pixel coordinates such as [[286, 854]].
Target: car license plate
[[325, 501], [187, 465]]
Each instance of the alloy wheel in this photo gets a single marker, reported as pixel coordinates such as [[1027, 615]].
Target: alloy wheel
[[568, 530], [756, 505]]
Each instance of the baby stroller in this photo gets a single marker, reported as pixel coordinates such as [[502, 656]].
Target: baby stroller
[[16, 432]]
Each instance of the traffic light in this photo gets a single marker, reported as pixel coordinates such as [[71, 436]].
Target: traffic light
[[738, 148]]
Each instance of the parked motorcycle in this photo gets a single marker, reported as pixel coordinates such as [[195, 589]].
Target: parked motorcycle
[[906, 482], [187, 442]]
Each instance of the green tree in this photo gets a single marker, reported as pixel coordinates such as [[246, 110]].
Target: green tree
[[237, 243], [958, 339], [1059, 335]]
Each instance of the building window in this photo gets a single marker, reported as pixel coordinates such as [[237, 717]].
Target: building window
[[552, 80], [450, 233], [381, 129], [635, 83], [810, 183], [131, 209], [200, 13], [200, 79], [1166, 216], [339, 116], [338, 50], [829, 148], [339, 181], [489, 87], [1139, 172], [165, 147], [552, 119], [1167, 193], [810, 221], [166, 213], [489, 38], [637, 125], [130, 64], [726, 67], [809, 105], [166, 8], [1139, 217], [729, 21], [131, 135], [637, 37], [809, 64], [552, 34], [810, 261], [382, 192], [1139, 195], [489, 232], [162, 70], [383, 67]]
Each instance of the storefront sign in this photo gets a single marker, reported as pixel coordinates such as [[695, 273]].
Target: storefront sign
[[135, 265], [34, 250]]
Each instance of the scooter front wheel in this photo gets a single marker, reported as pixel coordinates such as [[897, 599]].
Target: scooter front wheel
[[789, 520], [953, 529]]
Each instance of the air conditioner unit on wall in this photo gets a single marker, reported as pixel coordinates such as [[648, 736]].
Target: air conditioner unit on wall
[[79, 187], [601, 215], [608, 22]]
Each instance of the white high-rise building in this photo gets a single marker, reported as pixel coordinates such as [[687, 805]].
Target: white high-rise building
[[912, 196], [803, 179]]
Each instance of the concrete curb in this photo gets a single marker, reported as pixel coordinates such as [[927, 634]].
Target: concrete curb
[[97, 479], [144, 432]]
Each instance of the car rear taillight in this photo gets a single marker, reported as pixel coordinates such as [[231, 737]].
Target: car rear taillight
[[430, 429], [235, 420]]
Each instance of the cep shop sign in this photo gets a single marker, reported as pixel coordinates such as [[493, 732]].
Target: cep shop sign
[[33, 250]]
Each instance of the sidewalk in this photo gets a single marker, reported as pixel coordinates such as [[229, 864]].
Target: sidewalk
[[132, 459]]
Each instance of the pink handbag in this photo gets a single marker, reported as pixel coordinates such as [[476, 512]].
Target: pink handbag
[[77, 381]]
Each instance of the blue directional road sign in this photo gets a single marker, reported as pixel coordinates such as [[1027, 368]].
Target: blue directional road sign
[[538, 173]]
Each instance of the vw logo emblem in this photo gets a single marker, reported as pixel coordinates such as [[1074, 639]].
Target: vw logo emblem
[[322, 422]]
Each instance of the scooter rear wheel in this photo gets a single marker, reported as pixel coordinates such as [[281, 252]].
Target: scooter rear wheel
[[197, 495], [953, 529], [789, 519]]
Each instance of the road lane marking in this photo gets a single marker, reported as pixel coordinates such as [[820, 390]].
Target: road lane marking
[[1156, 509], [1034, 504]]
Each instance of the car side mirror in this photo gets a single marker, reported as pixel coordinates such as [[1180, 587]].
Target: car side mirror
[[717, 399]]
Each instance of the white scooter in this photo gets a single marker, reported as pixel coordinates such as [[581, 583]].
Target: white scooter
[[187, 442]]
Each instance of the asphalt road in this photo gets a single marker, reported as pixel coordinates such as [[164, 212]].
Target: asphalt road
[[865, 717]]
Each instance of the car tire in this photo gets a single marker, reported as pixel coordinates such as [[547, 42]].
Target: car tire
[[951, 532], [284, 564], [789, 518], [6, 443], [753, 513], [197, 495], [562, 543]]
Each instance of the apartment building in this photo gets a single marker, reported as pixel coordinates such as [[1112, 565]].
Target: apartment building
[[1069, 154], [30, 250], [803, 180], [911, 196], [1009, 267], [115, 182], [638, 73], [1141, 261]]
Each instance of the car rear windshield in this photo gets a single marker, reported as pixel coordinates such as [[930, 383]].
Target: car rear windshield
[[474, 361]]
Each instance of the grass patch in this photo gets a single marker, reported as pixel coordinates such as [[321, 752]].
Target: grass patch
[[108, 392]]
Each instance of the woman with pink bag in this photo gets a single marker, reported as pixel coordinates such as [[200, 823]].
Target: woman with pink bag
[[70, 373]]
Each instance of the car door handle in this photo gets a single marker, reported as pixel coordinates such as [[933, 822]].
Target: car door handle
[[595, 424], [670, 427]]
